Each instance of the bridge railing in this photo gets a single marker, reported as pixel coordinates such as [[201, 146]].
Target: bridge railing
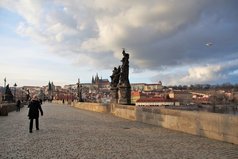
[[221, 127]]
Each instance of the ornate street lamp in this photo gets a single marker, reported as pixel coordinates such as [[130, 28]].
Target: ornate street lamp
[[79, 89], [22, 92], [15, 91]]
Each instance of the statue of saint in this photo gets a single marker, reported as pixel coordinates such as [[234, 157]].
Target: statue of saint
[[120, 85], [115, 76], [124, 79], [8, 94]]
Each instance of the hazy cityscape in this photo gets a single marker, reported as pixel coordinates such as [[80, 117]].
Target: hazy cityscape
[[201, 97]]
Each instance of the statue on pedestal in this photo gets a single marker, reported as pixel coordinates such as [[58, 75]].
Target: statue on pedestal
[[120, 85], [8, 96]]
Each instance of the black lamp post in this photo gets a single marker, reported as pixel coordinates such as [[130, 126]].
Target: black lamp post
[[79, 88], [15, 91], [22, 90]]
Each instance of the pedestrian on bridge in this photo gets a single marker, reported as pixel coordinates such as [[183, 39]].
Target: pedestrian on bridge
[[18, 105], [33, 113]]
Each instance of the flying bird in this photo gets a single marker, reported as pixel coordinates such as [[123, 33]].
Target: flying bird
[[209, 44]]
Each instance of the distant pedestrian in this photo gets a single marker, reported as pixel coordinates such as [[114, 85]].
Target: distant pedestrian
[[33, 113], [18, 105]]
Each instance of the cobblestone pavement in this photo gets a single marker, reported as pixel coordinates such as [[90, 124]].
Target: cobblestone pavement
[[67, 132]]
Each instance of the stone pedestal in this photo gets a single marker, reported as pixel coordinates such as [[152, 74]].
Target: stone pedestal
[[114, 93], [124, 95], [3, 110]]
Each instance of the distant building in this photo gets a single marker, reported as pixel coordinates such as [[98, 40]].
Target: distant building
[[200, 98], [153, 87], [70, 86], [99, 88], [135, 95], [31, 90], [157, 102], [137, 86], [96, 91], [235, 96], [102, 84], [147, 87], [184, 97], [144, 90]]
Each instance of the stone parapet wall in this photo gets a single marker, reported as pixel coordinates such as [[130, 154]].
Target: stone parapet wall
[[61, 102], [221, 127], [11, 107], [5, 108], [124, 111], [96, 107], [58, 102]]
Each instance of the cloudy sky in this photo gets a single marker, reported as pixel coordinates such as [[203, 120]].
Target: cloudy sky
[[176, 42]]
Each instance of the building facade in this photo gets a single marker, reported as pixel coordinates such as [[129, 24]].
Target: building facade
[[157, 102], [184, 97]]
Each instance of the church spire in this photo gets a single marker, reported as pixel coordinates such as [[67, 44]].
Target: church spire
[[93, 81], [49, 86], [79, 80], [96, 78]]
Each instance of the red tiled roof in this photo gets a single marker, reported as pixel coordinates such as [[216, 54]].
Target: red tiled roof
[[135, 93]]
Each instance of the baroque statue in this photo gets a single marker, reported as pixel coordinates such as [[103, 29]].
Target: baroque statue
[[124, 78], [8, 96], [115, 76], [120, 85]]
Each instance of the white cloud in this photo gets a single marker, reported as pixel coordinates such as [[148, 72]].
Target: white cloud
[[202, 74], [214, 73]]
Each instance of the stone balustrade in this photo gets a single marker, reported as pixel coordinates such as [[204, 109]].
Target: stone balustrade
[[5, 108]]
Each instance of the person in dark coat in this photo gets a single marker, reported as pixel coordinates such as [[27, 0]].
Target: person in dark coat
[[18, 105], [33, 113]]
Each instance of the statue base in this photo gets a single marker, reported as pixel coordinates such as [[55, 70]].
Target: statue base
[[124, 95], [114, 93]]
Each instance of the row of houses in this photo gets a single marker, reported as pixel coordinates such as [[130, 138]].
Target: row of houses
[[142, 94], [99, 90]]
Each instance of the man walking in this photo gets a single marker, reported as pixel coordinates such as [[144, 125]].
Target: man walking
[[18, 105], [34, 108]]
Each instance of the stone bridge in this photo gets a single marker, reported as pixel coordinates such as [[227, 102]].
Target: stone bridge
[[68, 133]]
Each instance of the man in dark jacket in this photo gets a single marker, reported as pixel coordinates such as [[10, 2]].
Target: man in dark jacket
[[33, 113], [18, 105]]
